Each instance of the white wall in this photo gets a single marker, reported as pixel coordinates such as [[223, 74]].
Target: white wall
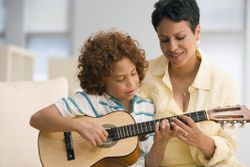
[[129, 16], [134, 17]]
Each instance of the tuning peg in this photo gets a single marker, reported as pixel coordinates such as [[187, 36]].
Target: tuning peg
[[242, 123], [222, 123], [233, 123]]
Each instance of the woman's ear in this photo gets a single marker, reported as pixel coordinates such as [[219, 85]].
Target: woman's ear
[[198, 32]]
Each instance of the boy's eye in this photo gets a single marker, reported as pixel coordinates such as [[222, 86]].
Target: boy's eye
[[164, 40], [120, 79], [134, 73]]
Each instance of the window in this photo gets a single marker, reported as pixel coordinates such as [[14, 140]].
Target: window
[[2, 20], [46, 34], [223, 36]]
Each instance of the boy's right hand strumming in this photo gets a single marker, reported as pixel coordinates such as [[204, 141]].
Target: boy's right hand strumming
[[94, 133]]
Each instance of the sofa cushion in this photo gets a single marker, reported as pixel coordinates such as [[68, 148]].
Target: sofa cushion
[[18, 101]]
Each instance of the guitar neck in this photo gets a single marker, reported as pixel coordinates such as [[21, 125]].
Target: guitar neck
[[148, 127]]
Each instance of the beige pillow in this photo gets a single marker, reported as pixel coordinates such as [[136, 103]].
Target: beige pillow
[[18, 101]]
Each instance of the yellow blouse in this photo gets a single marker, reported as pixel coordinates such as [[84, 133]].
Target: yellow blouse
[[211, 88]]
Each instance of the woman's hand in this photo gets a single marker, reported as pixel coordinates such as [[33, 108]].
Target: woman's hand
[[94, 133], [190, 134]]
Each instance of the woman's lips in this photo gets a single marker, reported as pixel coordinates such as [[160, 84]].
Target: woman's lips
[[175, 54]]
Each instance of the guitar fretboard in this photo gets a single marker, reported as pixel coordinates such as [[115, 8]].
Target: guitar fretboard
[[149, 126]]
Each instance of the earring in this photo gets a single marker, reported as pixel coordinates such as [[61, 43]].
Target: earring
[[198, 44]]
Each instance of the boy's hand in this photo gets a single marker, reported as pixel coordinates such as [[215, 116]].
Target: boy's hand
[[94, 133]]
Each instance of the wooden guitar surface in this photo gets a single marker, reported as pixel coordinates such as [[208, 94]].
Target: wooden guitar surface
[[53, 152]]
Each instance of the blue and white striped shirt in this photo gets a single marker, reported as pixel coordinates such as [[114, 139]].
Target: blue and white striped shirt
[[82, 103]]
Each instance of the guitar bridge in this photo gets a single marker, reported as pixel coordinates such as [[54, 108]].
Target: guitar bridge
[[69, 145]]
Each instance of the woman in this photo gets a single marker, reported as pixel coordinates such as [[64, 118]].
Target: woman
[[181, 81]]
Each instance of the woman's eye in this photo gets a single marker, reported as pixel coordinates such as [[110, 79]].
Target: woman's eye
[[180, 38]]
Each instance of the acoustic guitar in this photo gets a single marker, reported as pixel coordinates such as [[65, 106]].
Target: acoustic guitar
[[69, 149]]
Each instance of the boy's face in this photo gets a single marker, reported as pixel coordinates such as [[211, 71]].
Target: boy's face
[[124, 80]]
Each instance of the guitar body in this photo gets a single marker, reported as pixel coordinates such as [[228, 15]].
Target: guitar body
[[52, 149]]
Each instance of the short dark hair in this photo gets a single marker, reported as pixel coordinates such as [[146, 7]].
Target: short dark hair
[[100, 52], [176, 10]]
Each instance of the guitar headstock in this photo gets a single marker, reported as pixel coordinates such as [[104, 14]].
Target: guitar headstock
[[239, 114]]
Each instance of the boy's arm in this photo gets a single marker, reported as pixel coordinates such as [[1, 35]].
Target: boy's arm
[[50, 119]]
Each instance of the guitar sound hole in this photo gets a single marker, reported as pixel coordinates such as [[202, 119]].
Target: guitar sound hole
[[109, 142]]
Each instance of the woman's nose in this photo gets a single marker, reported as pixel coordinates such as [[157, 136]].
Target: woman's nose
[[172, 46]]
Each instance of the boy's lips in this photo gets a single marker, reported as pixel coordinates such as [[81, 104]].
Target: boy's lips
[[130, 92]]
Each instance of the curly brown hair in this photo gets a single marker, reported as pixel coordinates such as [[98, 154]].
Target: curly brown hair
[[100, 52]]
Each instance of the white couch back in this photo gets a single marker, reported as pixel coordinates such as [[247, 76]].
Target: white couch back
[[18, 101]]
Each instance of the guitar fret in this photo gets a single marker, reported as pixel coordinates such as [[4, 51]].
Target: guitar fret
[[121, 132], [132, 130], [152, 124], [193, 116], [142, 131], [137, 129], [129, 127], [197, 117], [202, 115], [125, 131], [117, 132], [146, 128]]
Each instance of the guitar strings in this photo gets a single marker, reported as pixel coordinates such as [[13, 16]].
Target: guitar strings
[[137, 129], [141, 128]]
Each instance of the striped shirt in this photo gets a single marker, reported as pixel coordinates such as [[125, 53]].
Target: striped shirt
[[82, 103]]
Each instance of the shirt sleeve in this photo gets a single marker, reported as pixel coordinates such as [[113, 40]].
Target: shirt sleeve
[[78, 104], [225, 146], [225, 139]]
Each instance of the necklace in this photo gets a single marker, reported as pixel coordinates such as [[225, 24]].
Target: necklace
[[182, 89]]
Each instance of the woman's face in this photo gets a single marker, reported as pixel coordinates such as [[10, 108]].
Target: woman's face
[[177, 41]]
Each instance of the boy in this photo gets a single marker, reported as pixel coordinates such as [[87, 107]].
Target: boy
[[111, 68]]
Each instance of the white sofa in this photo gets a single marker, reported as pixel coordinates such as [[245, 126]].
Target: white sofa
[[18, 101]]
